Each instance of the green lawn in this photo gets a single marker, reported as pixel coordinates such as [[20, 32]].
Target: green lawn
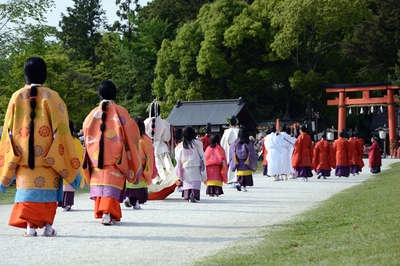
[[359, 226]]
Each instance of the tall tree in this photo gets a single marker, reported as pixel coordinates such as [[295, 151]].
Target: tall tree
[[197, 64], [16, 17], [309, 33], [80, 29], [307, 30], [127, 13], [22, 30], [374, 44], [174, 12]]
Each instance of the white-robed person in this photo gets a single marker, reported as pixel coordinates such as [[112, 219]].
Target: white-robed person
[[288, 146], [274, 145], [230, 136], [159, 131]]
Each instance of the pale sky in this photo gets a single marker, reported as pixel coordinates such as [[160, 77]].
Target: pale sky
[[109, 6]]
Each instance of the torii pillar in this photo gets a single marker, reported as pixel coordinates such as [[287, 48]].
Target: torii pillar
[[342, 111], [342, 101]]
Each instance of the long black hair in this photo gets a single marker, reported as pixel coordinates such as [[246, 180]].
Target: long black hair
[[35, 71], [140, 122], [188, 136], [214, 140], [107, 92], [243, 135], [154, 112]]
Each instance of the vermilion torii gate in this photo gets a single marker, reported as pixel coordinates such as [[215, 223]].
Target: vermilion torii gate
[[342, 101]]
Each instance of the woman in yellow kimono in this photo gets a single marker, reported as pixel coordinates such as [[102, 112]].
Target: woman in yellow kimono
[[37, 149], [137, 194], [112, 141]]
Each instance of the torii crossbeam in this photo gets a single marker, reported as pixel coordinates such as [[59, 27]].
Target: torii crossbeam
[[342, 101]]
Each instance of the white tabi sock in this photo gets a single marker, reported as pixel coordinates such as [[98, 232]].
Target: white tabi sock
[[30, 231]]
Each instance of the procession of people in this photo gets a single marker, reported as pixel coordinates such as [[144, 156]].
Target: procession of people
[[132, 160]]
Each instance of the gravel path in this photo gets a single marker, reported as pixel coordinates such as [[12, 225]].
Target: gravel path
[[167, 232]]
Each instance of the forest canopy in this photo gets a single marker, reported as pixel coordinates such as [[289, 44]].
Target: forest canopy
[[275, 54]]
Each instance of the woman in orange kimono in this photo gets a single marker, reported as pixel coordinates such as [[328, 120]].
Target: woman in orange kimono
[[112, 140], [137, 194], [303, 155], [341, 148], [37, 149]]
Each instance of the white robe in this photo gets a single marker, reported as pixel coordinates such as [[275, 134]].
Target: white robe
[[280, 149], [229, 137], [288, 145], [166, 170]]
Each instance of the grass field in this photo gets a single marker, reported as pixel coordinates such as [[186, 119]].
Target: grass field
[[359, 226]]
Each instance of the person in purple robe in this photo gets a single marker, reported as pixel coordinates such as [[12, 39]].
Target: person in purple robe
[[243, 160]]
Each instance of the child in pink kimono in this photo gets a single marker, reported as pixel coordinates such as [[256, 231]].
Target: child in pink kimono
[[216, 167]]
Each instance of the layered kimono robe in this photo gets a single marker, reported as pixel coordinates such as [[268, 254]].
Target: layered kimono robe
[[360, 143], [191, 168], [217, 168], [354, 156], [230, 135], [205, 140], [374, 158], [38, 189], [264, 155], [288, 146], [302, 156], [166, 172], [341, 148], [323, 158], [243, 160], [274, 143], [146, 153], [69, 190], [121, 157]]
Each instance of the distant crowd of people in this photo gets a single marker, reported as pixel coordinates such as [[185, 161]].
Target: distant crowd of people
[[284, 155]]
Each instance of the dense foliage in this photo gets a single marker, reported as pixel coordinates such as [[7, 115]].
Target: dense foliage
[[273, 53]]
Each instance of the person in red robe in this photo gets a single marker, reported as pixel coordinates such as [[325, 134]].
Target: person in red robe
[[341, 148], [303, 155], [206, 138], [354, 155], [264, 154], [323, 157], [360, 143], [216, 167], [374, 156]]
